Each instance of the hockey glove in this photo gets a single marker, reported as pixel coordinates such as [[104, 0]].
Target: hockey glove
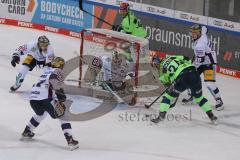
[[59, 108], [131, 74], [41, 64], [15, 60], [116, 28], [61, 95]]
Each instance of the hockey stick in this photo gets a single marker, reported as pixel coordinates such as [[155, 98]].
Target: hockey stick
[[75, 80], [117, 97], [105, 85], [172, 105], [149, 105], [100, 19]]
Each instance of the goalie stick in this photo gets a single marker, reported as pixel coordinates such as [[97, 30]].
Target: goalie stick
[[81, 8], [115, 95], [76, 80]]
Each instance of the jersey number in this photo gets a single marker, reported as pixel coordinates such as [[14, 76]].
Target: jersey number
[[40, 83], [96, 63], [172, 66]]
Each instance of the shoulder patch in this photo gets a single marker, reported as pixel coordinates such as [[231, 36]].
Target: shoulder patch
[[34, 49]]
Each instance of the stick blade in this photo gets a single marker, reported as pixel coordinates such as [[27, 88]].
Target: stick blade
[[147, 106]]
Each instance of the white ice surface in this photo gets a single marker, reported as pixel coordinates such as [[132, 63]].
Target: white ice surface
[[110, 137]]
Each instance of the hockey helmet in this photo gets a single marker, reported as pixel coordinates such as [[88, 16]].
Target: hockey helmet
[[43, 40], [156, 61], [195, 31], [43, 43], [117, 58], [124, 8], [58, 62]]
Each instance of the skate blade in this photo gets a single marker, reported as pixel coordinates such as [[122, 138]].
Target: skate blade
[[215, 122], [26, 139], [10, 91], [72, 148], [188, 103], [219, 108]]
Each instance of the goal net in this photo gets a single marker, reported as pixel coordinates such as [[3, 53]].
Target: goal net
[[102, 42]]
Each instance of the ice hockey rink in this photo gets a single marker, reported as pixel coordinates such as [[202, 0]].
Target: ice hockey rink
[[111, 136]]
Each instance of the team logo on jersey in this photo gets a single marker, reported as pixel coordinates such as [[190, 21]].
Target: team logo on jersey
[[22, 48], [34, 49]]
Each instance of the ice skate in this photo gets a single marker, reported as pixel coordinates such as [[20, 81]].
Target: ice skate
[[72, 144], [27, 134], [219, 104]]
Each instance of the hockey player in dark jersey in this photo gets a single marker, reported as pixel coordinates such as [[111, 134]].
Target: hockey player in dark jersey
[[179, 73]]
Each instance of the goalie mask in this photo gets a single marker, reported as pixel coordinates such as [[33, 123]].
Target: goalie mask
[[117, 58], [58, 62], [43, 43]]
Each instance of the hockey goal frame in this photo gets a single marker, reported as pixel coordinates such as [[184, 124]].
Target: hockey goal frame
[[110, 35]]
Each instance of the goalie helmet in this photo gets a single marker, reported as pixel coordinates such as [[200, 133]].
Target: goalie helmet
[[116, 58], [58, 62]]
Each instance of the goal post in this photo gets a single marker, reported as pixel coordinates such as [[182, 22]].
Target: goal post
[[102, 42]]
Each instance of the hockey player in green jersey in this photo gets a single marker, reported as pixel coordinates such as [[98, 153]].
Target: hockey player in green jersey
[[179, 74], [130, 23]]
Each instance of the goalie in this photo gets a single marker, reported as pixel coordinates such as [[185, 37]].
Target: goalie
[[37, 53], [113, 71], [47, 96]]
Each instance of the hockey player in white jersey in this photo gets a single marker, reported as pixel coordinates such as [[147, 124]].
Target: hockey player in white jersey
[[205, 61], [47, 96], [37, 52], [115, 69]]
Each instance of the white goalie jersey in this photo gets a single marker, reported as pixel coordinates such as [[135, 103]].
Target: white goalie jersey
[[114, 73], [50, 80], [204, 55]]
